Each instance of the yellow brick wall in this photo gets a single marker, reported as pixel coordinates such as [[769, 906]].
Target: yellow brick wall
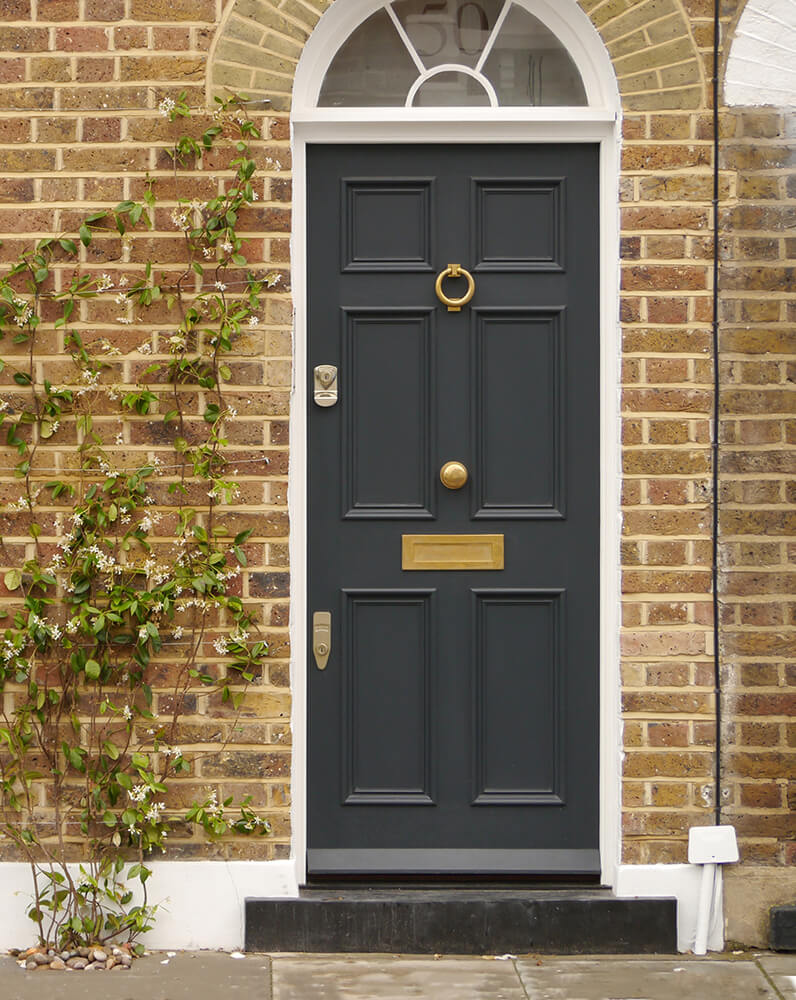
[[79, 85]]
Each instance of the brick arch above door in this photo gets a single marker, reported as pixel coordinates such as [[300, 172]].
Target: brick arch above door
[[651, 46]]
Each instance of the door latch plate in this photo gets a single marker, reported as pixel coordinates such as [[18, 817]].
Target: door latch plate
[[321, 637]]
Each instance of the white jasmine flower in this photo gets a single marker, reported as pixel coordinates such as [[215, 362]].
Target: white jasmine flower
[[220, 286], [104, 282], [127, 712], [145, 348], [166, 106], [253, 322], [227, 247]]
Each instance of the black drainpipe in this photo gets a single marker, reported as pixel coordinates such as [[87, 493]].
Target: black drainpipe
[[714, 443]]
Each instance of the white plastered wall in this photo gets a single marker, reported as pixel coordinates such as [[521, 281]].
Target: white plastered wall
[[761, 68]]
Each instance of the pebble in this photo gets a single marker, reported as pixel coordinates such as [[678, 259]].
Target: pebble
[[121, 966], [80, 959]]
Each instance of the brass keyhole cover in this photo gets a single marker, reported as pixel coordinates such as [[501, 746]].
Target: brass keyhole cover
[[454, 271], [453, 475]]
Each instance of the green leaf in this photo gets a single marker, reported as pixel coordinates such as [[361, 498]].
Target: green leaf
[[85, 235], [22, 378], [69, 245], [92, 669], [12, 579]]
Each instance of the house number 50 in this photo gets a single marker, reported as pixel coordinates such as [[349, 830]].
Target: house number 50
[[458, 27]]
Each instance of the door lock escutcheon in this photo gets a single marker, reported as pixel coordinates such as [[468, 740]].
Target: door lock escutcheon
[[325, 385], [321, 637]]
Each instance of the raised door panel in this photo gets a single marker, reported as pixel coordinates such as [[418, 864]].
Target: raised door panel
[[519, 657], [385, 384], [386, 225], [517, 376], [518, 224], [388, 644]]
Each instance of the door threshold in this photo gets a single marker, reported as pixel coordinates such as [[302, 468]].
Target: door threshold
[[473, 882]]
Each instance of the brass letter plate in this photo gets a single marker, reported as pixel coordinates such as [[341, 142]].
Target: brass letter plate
[[452, 552]]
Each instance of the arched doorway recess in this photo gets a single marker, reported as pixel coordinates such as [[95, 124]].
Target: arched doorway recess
[[443, 83]]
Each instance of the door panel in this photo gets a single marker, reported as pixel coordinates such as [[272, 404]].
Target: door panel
[[517, 374], [455, 728]]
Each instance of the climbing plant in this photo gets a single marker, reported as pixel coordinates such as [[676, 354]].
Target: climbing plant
[[129, 575]]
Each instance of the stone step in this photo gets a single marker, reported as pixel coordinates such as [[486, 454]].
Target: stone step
[[461, 922]]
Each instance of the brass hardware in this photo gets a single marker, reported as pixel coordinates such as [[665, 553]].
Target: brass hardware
[[325, 385], [321, 637], [452, 552], [453, 475], [454, 271]]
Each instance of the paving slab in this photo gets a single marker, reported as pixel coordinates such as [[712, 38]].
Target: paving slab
[[184, 976], [782, 970], [394, 978], [631, 979]]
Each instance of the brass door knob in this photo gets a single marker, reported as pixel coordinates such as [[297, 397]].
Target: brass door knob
[[453, 475]]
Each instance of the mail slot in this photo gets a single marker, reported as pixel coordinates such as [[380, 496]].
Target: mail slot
[[451, 552]]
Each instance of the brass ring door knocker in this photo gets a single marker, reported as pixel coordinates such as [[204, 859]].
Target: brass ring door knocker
[[454, 271]]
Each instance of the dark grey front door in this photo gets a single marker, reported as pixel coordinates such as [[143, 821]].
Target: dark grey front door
[[454, 729]]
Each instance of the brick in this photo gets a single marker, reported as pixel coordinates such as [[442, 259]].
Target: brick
[[662, 644], [12, 70], [667, 763], [172, 10], [161, 68], [15, 10], [645, 277], [665, 157], [664, 217]]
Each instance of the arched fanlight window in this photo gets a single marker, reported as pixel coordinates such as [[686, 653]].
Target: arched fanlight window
[[448, 53]]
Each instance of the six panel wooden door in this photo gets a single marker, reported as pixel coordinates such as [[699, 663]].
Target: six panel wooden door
[[455, 728]]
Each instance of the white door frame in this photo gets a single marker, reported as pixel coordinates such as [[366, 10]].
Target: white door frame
[[465, 125]]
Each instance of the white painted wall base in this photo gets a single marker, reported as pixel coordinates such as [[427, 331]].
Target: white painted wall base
[[683, 882], [202, 901]]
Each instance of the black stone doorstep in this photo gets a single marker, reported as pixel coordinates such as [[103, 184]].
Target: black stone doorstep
[[461, 922]]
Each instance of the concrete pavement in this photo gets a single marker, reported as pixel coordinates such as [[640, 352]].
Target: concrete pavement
[[218, 976]]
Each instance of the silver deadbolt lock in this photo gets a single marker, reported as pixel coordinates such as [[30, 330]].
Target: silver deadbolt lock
[[321, 637], [325, 385]]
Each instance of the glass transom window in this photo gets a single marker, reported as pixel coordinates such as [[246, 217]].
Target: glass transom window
[[449, 53]]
